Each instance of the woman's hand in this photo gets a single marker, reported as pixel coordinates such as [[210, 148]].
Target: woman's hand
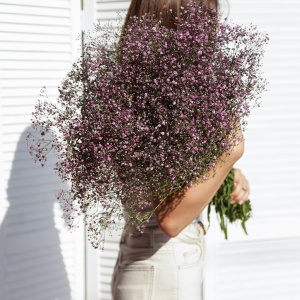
[[241, 191]]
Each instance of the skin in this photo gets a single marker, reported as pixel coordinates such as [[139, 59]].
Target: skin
[[241, 191], [174, 218]]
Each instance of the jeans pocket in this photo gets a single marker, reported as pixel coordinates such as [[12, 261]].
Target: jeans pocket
[[189, 261], [191, 257], [190, 278], [133, 282], [187, 255]]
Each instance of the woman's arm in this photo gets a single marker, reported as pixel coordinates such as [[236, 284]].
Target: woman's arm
[[181, 209]]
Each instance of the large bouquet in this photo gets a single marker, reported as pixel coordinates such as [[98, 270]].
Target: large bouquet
[[147, 111]]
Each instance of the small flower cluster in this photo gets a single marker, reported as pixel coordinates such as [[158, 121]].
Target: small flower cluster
[[147, 111]]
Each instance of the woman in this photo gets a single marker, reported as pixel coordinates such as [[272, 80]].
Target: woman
[[165, 262]]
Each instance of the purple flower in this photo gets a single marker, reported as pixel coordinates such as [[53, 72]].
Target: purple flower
[[148, 114]]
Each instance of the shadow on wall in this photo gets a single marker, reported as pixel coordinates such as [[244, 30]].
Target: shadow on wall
[[34, 266]]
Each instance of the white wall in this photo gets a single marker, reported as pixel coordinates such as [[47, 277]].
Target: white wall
[[39, 258], [265, 264]]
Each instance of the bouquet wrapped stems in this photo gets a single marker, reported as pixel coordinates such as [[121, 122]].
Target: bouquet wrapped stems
[[225, 210]]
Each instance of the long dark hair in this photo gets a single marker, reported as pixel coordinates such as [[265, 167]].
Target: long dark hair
[[160, 9]]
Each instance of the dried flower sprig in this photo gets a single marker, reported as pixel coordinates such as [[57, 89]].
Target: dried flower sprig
[[147, 111]]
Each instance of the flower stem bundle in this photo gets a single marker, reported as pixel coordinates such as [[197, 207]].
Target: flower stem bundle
[[227, 211]]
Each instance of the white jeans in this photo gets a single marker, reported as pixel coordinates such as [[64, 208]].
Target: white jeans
[[154, 266]]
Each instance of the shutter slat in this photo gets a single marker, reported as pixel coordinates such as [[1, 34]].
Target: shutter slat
[[36, 20], [39, 3], [34, 10], [37, 47], [48, 29], [39, 38]]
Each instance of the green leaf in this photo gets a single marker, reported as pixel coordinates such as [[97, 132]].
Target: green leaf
[[223, 207]]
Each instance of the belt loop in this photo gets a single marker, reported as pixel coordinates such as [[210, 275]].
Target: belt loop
[[201, 224], [152, 238]]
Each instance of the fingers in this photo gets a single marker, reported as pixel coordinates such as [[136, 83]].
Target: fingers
[[241, 191]]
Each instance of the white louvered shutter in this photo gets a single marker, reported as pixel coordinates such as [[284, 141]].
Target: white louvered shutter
[[39, 258], [107, 10], [100, 263], [265, 264]]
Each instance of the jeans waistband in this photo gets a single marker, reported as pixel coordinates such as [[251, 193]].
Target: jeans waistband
[[155, 237]]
